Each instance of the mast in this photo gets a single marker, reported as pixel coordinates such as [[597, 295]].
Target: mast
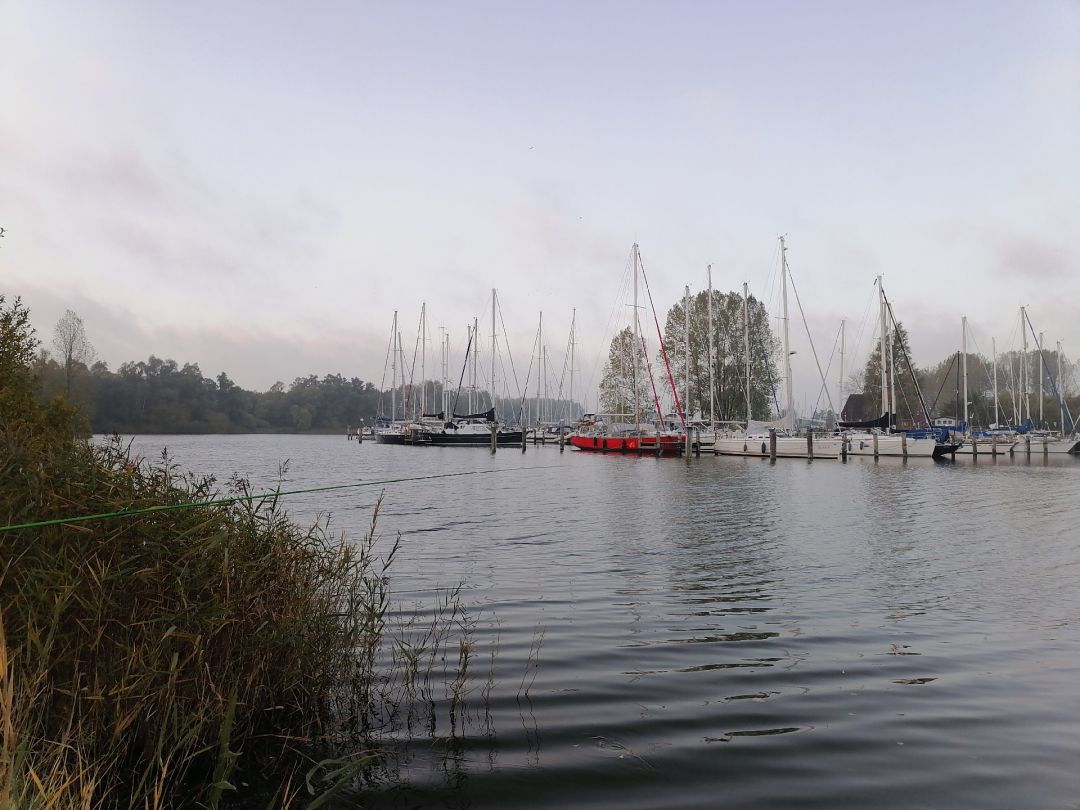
[[1025, 403], [573, 326], [686, 351], [1042, 375], [789, 416], [493, 350], [712, 354], [746, 345], [963, 348], [997, 415], [539, 365], [637, 338], [1061, 390], [840, 387], [393, 369], [891, 338], [423, 358], [881, 350]]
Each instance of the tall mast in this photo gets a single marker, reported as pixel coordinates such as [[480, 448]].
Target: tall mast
[[401, 352], [475, 358], [883, 358], [545, 399], [963, 348], [840, 387], [493, 350], [891, 336], [393, 370], [539, 364], [686, 351], [1042, 374], [712, 353], [997, 415], [633, 354], [573, 326], [789, 416], [423, 358], [1025, 403], [746, 345], [1061, 390]]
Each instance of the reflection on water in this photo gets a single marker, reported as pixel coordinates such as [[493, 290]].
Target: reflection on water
[[722, 631]]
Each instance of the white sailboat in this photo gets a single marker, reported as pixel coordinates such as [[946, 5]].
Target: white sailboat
[[756, 439], [878, 438]]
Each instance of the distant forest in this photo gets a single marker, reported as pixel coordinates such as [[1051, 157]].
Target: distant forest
[[160, 396]]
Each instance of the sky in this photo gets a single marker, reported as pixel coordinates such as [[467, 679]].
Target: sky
[[258, 186]]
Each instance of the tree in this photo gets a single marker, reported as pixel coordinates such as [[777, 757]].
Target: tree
[[729, 355], [624, 367], [72, 346], [906, 407]]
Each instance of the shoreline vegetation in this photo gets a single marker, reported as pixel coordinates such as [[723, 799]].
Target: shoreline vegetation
[[165, 659]]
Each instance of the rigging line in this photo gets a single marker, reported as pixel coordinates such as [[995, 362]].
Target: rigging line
[[813, 348], [828, 366], [663, 351], [944, 379], [989, 375], [652, 380], [608, 334], [1046, 369], [465, 365], [506, 342], [386, 362], [261, 496], [524, 396], [907, 359]]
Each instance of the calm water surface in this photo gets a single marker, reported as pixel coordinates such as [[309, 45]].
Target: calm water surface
[[724, 632]]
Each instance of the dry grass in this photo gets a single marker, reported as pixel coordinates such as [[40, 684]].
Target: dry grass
[[142, 658]]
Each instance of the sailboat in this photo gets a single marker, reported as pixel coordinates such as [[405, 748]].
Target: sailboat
[[757, 438], [878, 437], [472, 429], [992, 442], [1042, 441], [601, 433]]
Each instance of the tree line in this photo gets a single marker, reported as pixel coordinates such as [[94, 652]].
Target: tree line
[[161, 396]]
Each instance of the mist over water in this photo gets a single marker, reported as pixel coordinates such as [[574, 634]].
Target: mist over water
[[722, 632]]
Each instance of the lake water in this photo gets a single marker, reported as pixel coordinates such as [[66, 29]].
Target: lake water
[[723, 632]]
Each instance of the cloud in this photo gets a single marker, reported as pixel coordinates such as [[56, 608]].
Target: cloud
[[1031, 257]]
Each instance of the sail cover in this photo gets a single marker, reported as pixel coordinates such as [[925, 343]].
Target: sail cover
[[882, 422], [488, 415], [440, 415]]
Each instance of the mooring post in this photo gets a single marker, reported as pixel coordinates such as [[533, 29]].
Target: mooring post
[[697, 447], [875, 446], [974, 447], [523, 431], [494, 438], [843, 448], [686, 452], [810, 446], [1027, 445], [562, 438], [903, 444], [772, 444]]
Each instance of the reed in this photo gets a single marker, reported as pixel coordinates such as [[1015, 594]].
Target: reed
[[144, 658]]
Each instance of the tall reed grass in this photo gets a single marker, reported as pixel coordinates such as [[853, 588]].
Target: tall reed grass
[[143, 658]]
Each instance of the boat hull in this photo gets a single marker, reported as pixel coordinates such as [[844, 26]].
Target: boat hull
[[1041, 447], [899, 446], [645, 445], [786, 447], [504, 438]]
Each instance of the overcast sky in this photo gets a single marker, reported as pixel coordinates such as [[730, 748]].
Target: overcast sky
[[257, 186]]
